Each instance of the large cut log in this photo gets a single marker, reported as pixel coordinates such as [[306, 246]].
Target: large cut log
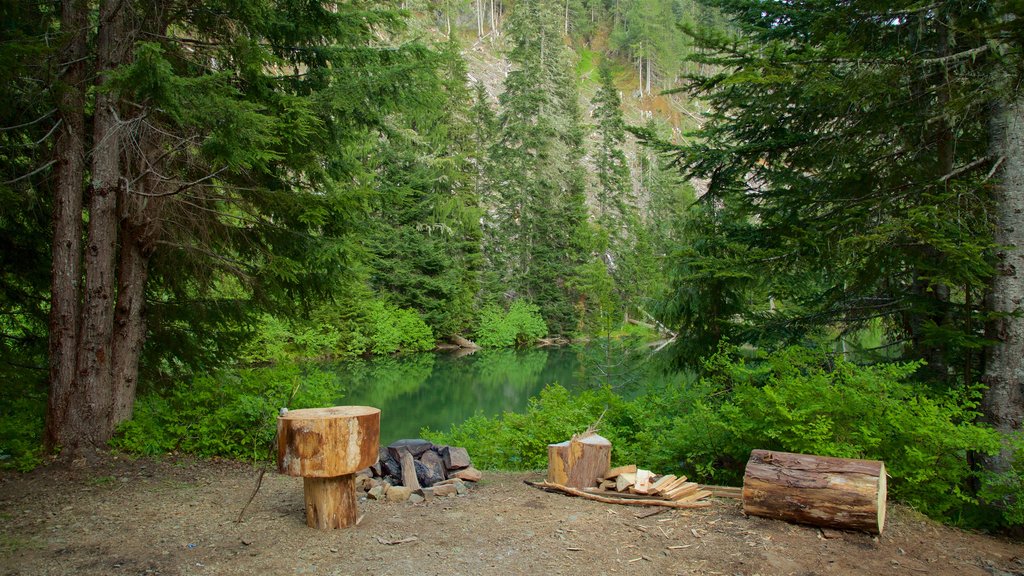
[[581, 462], [326, 446], [819, 490]]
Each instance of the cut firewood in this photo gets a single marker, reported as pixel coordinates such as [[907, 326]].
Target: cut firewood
[[662, 483], [607, 485], [673, 485], [836, 492], [612, 473], [623, 481], [684, 490], [613, 500], [642, 484], [692, 497], [580, 462]]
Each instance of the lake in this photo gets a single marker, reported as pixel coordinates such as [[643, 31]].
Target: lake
[[439, 390]]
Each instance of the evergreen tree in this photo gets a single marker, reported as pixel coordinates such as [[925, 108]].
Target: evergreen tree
[[614, 184], [224, 170], [539, 209], [426, 239], [857, 143]]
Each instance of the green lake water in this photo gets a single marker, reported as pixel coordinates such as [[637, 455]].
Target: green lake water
[[439, 390]]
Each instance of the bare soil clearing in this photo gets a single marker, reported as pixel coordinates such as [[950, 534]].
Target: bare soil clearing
[[177, 516]]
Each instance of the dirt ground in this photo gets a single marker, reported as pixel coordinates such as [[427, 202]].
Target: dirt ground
[[178, 516]]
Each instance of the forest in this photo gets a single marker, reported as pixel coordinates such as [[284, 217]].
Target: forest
[[806, 214]]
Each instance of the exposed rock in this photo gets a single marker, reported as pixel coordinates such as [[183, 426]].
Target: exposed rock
[[469, 474], [388, 464], [415, 498], [399, 493], [410, 472], [377, 492], [415, 447], [433, 470], [455, 457], [443, 490], [460, 487]]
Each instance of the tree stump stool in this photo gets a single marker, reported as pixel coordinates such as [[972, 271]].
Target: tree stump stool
[[326, 446], [580, 462]]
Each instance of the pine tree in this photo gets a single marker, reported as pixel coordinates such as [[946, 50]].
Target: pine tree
[[539, 209], [426, 238], [224, 169], [862, 143]]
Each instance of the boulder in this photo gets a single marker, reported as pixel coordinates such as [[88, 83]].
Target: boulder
[[414, 446], [434, 469], [455, 458]]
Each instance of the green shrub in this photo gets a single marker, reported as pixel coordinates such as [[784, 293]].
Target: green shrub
[[521, 324], [229, 413], [347, 329], [807, 401], [1005, 491], [392, 329], [795, 400], [22, 415], [515, 441]]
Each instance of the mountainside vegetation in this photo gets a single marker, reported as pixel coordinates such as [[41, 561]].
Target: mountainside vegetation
[[817, 205]]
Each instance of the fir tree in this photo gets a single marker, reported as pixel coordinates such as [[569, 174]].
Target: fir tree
[[540, 206]]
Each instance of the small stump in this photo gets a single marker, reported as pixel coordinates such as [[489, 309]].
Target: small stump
[[326, 446]]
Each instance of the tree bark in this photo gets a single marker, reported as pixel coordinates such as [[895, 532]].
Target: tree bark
[[580, 462], [819, 490], [89, 414], [1003, 401], [139, 213], [67, 220]]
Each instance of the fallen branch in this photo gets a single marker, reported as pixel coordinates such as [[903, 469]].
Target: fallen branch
[[551, 487]]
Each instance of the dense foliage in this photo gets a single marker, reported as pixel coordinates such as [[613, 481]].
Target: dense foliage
[[795, 400]]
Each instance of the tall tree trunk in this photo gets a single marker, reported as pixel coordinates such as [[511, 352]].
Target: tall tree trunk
[[140, 228], [1003, 401], [648, 75], [67, 219], [90, 413], [129, 321]]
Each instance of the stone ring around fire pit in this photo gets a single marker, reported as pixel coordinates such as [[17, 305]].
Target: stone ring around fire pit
[[416, 469]]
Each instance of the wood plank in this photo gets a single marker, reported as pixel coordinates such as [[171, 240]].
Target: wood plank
[[670, 487], [618, 500], [614, 494], [683, 490], [723, 491]]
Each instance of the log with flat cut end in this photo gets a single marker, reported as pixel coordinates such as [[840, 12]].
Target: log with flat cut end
[[823, 491], [580, 462], [326, 446]]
